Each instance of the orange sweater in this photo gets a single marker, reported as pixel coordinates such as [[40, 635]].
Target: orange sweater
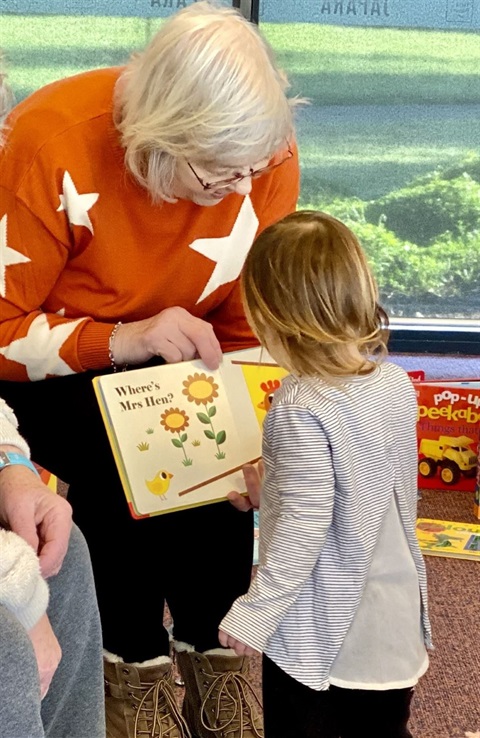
[[82, 246]]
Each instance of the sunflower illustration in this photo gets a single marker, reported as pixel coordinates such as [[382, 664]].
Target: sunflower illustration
[[200, 389], [175, 421]]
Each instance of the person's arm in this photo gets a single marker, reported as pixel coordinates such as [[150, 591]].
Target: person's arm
[[27, 506], [298, 461], [24, 592], [36, 344], [173, 334], [42, 521]]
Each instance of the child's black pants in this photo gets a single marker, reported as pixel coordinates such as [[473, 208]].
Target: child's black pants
[[293, 710]]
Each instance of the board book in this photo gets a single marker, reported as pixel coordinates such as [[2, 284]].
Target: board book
[[448, 432], [180, 433], [448, 538]]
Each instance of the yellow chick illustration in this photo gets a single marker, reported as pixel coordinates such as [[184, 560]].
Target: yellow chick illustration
[[160, 483]]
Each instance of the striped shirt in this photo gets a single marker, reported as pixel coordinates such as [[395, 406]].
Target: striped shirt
[[340, 467]]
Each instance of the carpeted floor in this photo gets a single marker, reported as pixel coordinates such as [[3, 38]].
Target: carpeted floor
[[447, 699]]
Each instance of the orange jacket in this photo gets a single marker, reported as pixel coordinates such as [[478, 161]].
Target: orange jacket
[[82, 246]]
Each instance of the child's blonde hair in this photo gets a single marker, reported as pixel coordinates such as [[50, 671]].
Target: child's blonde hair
[[307, 286], [206, 89]]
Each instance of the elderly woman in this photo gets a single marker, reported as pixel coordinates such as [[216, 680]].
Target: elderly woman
[[129, 199]]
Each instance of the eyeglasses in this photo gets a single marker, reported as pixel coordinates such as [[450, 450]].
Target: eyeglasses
[[253, 173]]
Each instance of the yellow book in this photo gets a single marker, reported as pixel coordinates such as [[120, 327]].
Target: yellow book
[[448, 538], [181, 433]]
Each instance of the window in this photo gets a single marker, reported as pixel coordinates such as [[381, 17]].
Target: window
[[390, 144]]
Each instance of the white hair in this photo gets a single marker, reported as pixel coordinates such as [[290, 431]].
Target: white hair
[[206, 88]]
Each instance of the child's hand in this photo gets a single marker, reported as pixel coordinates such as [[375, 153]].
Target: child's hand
[[240, 648], [253, 476]]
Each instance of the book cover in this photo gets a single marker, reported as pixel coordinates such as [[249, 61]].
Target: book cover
[[448, 431], [180, 433], [447, 538]]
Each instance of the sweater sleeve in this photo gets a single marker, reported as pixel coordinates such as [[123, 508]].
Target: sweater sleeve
[[23, 590], [9, 434], [35, 257], [295, 515]]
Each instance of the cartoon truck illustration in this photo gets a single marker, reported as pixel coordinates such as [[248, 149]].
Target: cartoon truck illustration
[[451, 456]]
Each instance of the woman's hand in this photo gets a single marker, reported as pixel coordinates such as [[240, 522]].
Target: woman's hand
[[174, 334], [42, 518], [47, 652]]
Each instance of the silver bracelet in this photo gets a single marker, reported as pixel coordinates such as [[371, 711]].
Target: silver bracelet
[[111, 341]]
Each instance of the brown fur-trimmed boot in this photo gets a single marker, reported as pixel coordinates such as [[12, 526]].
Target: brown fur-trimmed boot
[[140, 699], [219, 700]]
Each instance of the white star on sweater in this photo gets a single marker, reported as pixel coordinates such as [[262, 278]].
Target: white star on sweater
[[76, 205], [229, 252], [8, 256], [39, 350]]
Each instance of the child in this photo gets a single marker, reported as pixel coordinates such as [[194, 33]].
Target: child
[[339, 604]]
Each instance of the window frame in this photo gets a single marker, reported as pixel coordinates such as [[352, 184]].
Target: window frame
[[434, 336]]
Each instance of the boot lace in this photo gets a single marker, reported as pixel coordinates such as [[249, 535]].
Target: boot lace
[[235, 706], [158, 708]]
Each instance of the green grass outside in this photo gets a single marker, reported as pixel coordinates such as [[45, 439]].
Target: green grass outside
[[41, 49], [335, 65], [366, 151]]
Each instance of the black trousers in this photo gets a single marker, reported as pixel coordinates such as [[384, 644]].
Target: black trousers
[[293, 710], [197, 560]]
